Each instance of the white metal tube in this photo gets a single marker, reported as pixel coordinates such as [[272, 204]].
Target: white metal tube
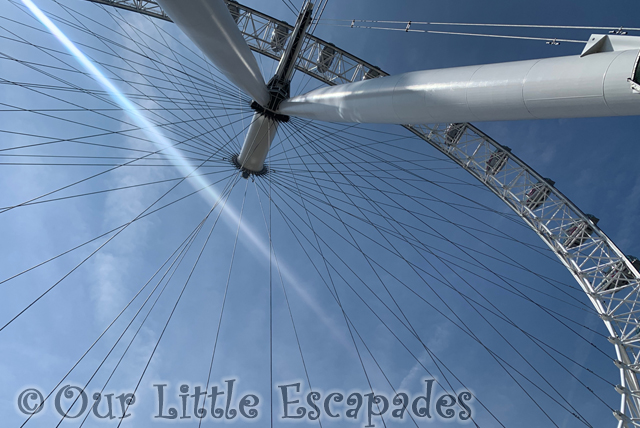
[[576, 86], [209, 24], [257, 142]]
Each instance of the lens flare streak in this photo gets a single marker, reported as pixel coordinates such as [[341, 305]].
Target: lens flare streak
[[232, 216]]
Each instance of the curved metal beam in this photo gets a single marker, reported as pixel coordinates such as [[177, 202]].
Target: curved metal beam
[[609, 278]]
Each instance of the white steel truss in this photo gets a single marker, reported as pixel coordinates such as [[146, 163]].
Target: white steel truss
[[145, 7], [609, 278], [268, 36]]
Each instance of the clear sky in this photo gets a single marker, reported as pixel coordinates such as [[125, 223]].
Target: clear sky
[[364, 215]]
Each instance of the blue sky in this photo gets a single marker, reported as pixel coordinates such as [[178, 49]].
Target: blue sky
[[593, 161]]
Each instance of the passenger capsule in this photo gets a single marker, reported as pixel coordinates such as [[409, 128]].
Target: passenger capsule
[[453, 133], [538, 193], [497, 160], [579, 231], [325, 58], [372, 73], [619, 275], [279, 37]]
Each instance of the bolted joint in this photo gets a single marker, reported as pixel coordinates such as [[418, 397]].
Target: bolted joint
[[606, 317], [283, 118], [622, 366], [621, 416], [621, 389], [246, 173], [616, 341]]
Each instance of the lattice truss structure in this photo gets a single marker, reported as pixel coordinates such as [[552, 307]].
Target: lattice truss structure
[[145, 7], [607, 276], [269, 36]]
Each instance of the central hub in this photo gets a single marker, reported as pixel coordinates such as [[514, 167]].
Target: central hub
[[264, 123], [281, 118]]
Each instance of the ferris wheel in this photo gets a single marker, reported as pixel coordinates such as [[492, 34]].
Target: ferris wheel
[[297, 222]]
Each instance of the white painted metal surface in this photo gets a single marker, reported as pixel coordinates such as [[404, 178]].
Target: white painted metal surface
[[209, 24], [608, 43], [256, 145], [588, 86]]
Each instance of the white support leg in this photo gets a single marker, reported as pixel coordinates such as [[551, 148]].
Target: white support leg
[[592, 85], [209, 24]]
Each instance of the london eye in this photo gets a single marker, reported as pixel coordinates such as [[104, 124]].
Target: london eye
[[347, 217]]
